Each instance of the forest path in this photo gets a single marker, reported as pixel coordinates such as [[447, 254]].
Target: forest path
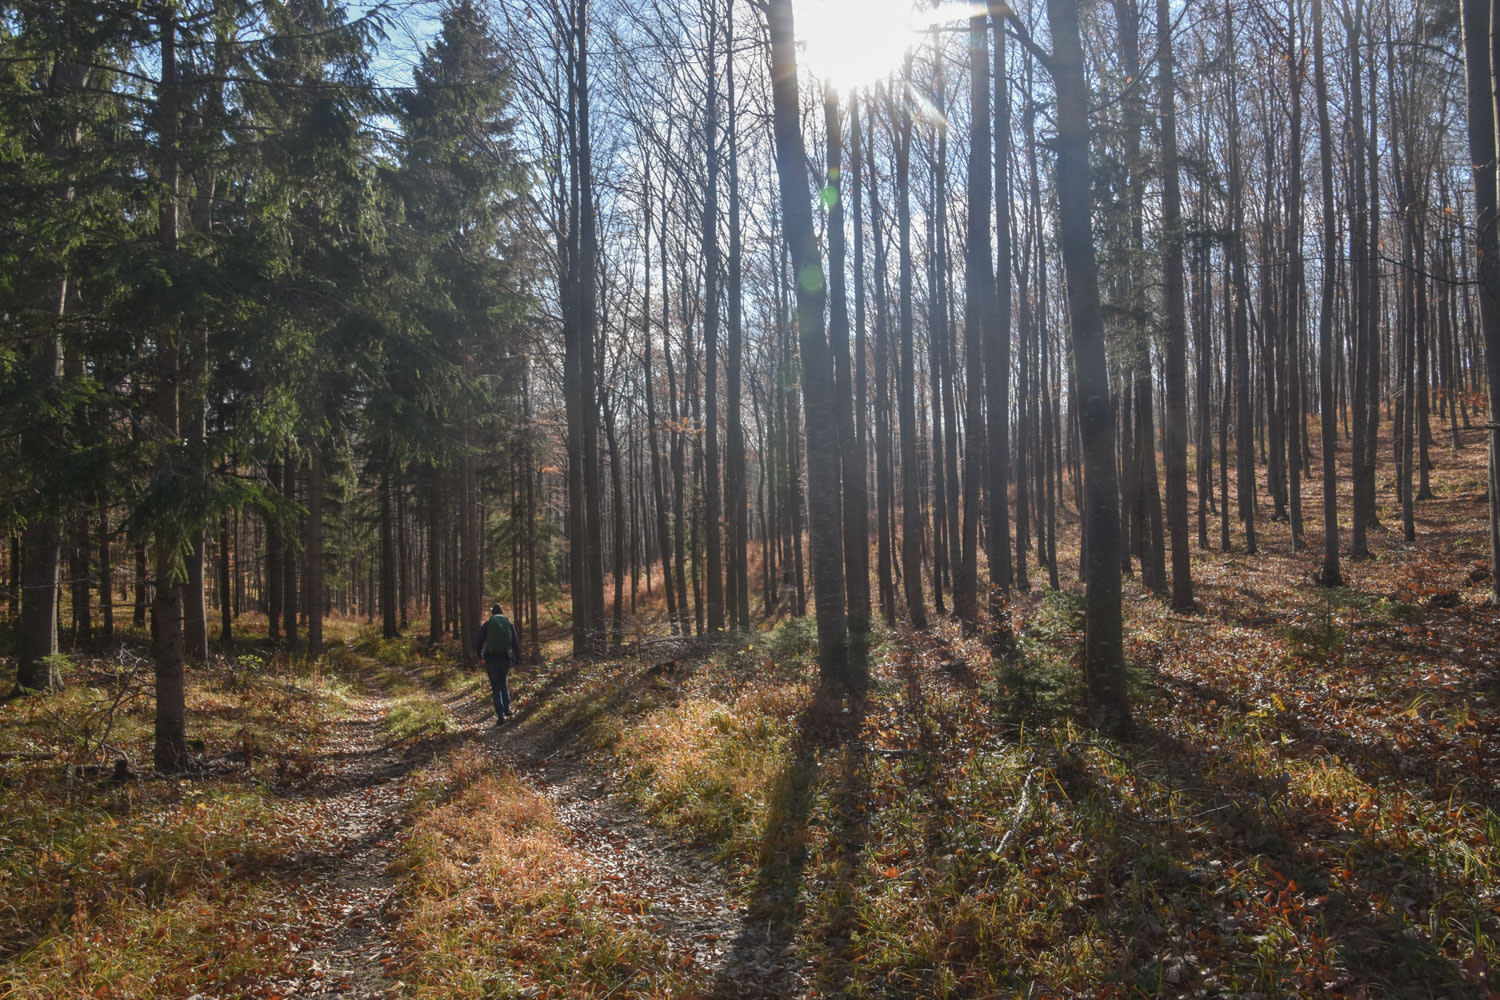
[[679, 887], [364, 786]]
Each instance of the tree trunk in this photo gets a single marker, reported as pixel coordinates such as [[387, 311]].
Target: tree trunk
[[884, 543], [275, 550], [435, 547], [313, 588], [997, 347], [617, 486], [1175, 451], [106, 576], [979, 315], [736, 494], [1104, 654], [170, 751], [1489, 268], [1329, 575], [1294, 298], [818, 391], [856, 543], [906, 376], [857, 492], [226, 602], [712, 500], [389, 626], [938, 373], [1244, 425]]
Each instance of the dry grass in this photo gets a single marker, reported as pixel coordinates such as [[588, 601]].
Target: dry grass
[[131, 887], [494, 900], [1309, 807]]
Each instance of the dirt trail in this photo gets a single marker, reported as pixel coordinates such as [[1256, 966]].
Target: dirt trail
[[364, 786], [682, 889]]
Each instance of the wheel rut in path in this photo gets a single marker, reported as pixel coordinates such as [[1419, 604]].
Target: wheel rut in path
[[362, 791], [364, 788], [682, 892]]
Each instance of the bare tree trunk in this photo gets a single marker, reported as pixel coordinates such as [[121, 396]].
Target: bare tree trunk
[[906, 376], [435, 547], [388, 623], [1175, 451], [290, 473], [106, 576], [1295, 309], [617, 485], [313, 583], [938, 373], [997, 347], [1104, 654], [712, 500], [1244, 426], [736, 494], [1329, 575], [1482, 67], [275, 550], [884, 543], [226, 601], [857, 491], [818, 392], [170, 752], [855, 513], [979, 315]]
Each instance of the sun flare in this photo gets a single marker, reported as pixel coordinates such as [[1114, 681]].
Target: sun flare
[[853, 43]]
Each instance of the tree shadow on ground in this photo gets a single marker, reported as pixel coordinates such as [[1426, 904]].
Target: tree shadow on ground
[[765, 960], [1377, 926]]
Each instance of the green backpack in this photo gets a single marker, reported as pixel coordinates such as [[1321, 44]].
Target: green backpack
[[497, 637]]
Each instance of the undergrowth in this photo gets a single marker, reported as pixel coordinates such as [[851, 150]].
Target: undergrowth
[[118, 883], [1303, 812]]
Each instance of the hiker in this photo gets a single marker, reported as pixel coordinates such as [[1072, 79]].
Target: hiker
[[498, 647]]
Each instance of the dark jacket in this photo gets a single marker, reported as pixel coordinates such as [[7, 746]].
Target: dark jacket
[[515, 640]]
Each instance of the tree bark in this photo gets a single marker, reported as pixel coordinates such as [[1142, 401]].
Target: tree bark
[[852, 465], [906, 375], [979, 315], [884, 543], [997, 347], [1175, 451], [1485, 106], [736, 494], [1244, 419], [825, 529], [712, 499], [313, 588], [1104, 654], [389, 626], [1330, 574], [170, 751]]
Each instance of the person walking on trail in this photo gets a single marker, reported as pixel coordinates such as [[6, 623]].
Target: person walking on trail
[[499, 647]]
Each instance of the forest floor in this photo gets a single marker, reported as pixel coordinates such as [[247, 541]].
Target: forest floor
[[389, 833], [1309, 807]]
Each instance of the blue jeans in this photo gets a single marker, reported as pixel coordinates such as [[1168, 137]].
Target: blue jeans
[[499, 690]]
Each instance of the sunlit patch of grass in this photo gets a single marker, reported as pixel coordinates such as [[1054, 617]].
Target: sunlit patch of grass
[[417, 715], [497, 901], [706, 768]]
